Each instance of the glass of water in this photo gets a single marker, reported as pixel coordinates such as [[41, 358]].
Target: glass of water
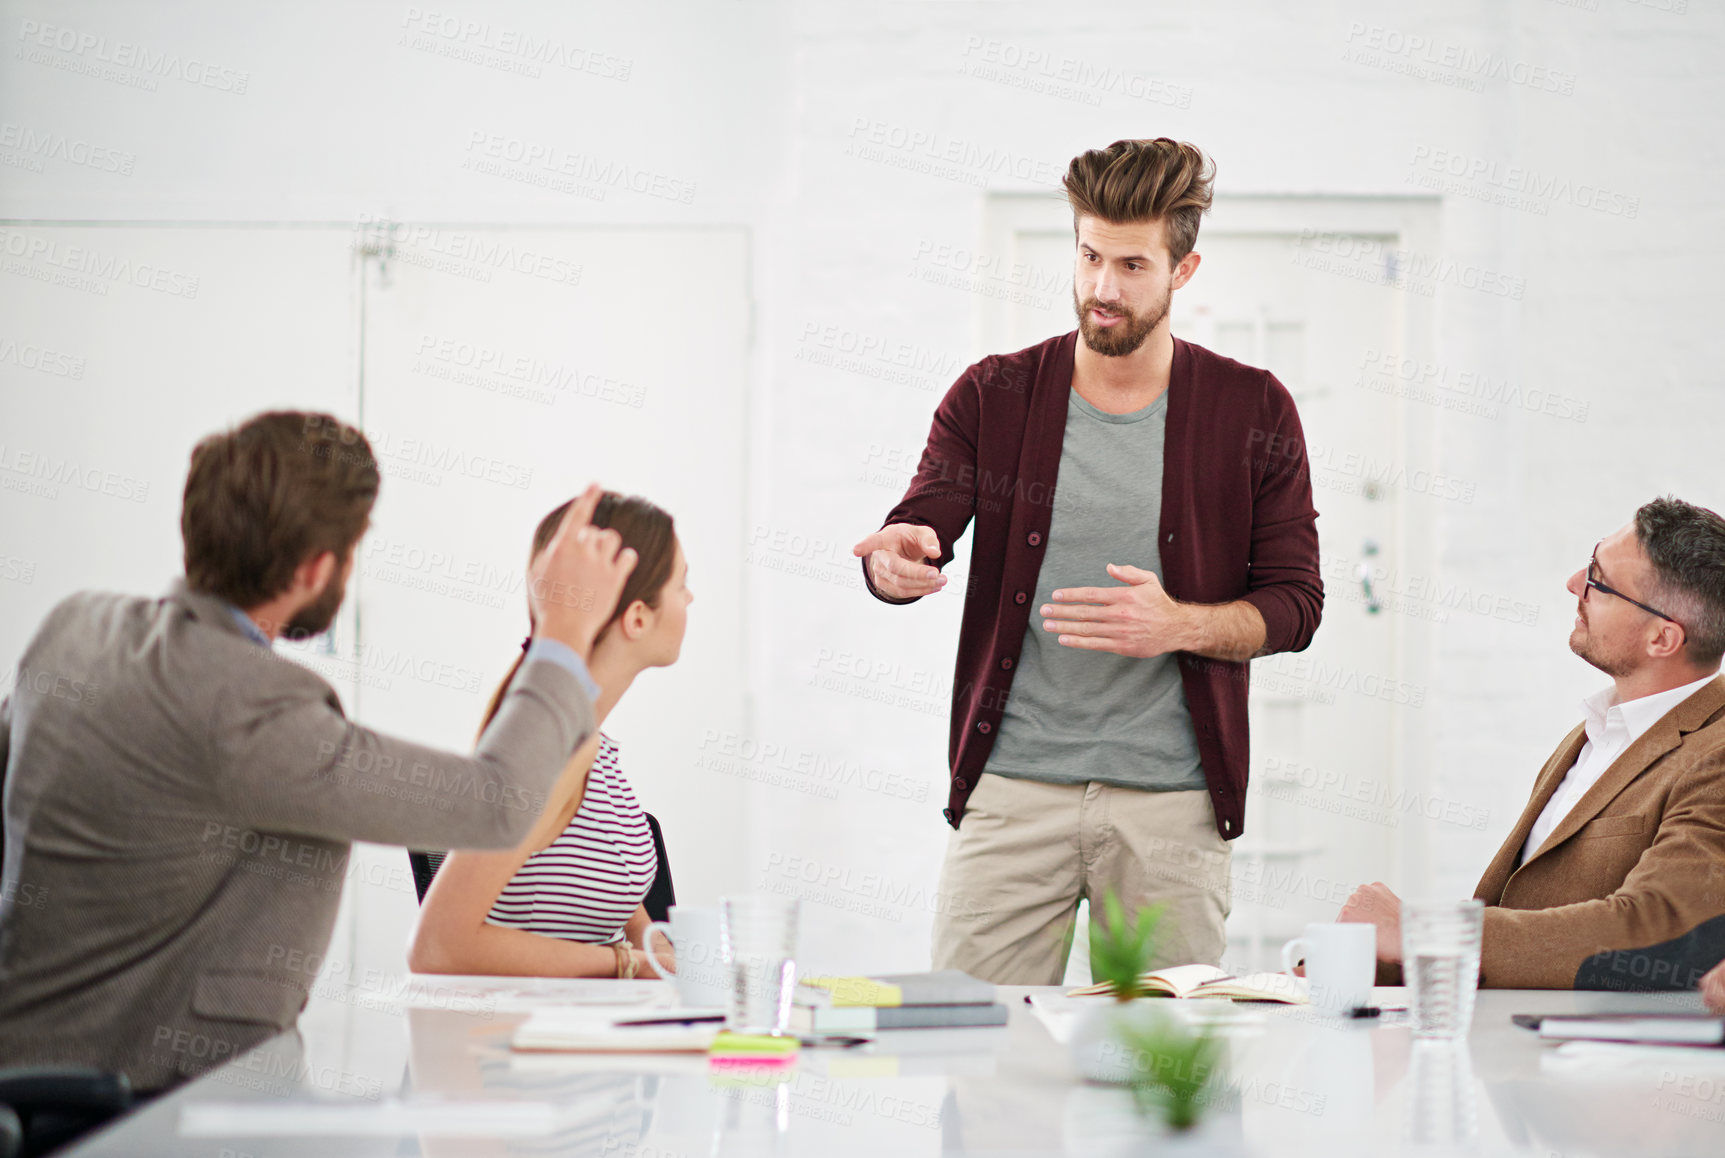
[[757, 944], [1440, 958]]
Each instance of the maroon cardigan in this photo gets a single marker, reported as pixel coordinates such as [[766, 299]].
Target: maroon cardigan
[[1237, 522]]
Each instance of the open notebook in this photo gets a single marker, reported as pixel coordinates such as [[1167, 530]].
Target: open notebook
[[1209, 981]]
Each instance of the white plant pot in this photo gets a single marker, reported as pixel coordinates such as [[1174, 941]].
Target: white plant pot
[[1098, 1053]]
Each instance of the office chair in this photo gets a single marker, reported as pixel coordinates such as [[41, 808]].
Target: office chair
[[43, 1108], [657, 902]]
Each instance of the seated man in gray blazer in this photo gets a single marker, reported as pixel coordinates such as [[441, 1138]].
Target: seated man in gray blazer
[[180, 802]]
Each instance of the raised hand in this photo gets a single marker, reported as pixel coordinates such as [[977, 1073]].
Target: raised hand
[[574, 583]]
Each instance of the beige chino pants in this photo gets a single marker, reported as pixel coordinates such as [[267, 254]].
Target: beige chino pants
[[1026, 852]]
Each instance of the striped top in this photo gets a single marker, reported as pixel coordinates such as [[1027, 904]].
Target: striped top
[[586, 884]]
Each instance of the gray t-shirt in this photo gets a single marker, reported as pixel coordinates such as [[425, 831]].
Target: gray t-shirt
[[1076, 715]]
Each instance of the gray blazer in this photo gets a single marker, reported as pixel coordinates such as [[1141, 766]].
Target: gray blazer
[[179, 803]]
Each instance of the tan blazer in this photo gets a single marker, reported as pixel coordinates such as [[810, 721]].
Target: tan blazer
[[1631, 879]]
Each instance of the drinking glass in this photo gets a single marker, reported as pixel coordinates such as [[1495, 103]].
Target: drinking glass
[[1440, 958], [757, 943]]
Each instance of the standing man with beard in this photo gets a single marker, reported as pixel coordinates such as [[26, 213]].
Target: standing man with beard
[[180, 801], [1614, 876], [1144, 527]]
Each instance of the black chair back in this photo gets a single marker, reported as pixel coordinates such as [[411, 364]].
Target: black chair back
[[658, 901]]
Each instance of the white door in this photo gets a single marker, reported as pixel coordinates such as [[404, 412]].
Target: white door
[[1309, 289]]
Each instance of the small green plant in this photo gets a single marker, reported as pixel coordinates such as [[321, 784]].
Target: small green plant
[[1120, 948], [1175, 1069]]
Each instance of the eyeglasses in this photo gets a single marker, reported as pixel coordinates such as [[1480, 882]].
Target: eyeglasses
[[1593, 568]]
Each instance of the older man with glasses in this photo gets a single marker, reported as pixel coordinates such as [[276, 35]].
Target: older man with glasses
[[1614, 876]]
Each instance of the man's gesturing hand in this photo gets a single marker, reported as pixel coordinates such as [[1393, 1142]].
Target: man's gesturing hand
[[898, 557], [1713, 988], [1139, 619], [1375, 904], [575, 581]]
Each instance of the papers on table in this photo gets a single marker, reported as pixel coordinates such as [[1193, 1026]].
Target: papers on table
[[423, 1116], [597, 1031], [465, 994], [1612, 1058]]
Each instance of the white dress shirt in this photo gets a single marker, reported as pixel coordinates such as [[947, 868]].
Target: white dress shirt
[[1611, 728]]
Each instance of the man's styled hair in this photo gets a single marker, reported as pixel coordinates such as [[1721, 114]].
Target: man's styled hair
[[1134, 181], [1686, 545], [269, 494]]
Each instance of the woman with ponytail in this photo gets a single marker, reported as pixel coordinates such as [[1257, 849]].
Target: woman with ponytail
[[567, 901]]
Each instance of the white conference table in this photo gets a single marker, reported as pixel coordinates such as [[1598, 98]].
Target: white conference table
[[443, 1082]]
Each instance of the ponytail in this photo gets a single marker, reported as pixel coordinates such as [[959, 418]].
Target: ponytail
[[503, 688]]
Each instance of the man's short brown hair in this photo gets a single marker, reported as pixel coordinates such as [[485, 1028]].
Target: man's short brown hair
[[269, 494], [1134, 181]]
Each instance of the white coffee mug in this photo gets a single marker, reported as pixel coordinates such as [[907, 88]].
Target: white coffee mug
[[1341, 964], [700, 976]]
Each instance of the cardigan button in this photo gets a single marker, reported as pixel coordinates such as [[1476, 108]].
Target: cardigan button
[[1020, 597], [1006, 663], [947, 812], [960, 784], [1034, 539], [1170, 536], [984, 727]]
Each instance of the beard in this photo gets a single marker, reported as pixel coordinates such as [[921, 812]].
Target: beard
[[1583, 644], [315, 617], [1118, 341]]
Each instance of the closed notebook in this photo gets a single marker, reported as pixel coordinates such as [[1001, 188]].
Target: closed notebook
[[1653, 1028], [825, 1019], [940, 987], [1209, 981]]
